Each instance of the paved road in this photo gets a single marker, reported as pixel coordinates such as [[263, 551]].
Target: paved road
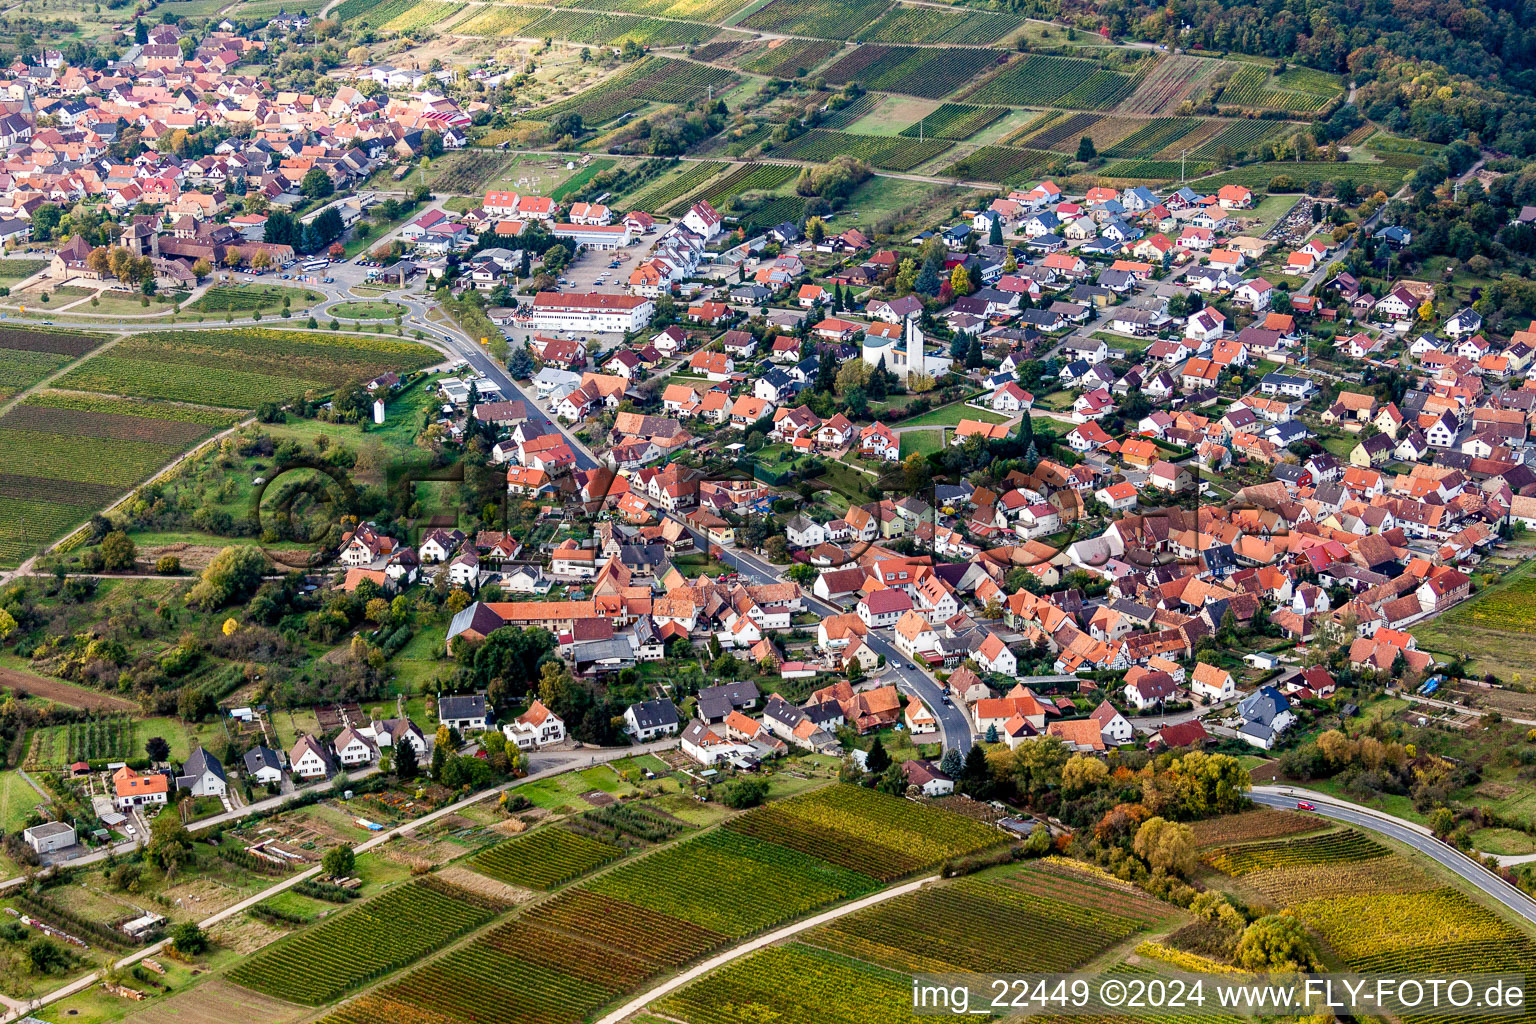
[[1413, 835], [954, 727], [543, 765]]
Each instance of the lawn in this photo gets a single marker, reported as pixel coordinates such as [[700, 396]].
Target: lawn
[[1125, 343], [924, 442], [17, 799], [951, 415], [247, 298], [1506, 842], [367, 310], [1269, 210]]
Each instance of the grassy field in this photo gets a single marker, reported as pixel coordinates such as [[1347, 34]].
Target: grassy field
[[17, 798], [367, 310], [1506, 842], [247, 298], [951, 415], [924, 442], [1493, 629]]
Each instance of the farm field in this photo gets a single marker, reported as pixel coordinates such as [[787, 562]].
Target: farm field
[[617, 29], [545, 859], [75, 454], [1378, 915], [1175, 79], [28, 356], [883, 151], [1494, 628], [397, 15], [855, 970], [19, 269], [931, 72], [1368, 176], [1051, 81], [688, 179], [466, 171], [497, 20], [17, 798], [653, 80], [742, 178], [1043, 918], [654, 913], [816, 17], [784, 58], [1346, 846], [1299, 90], [906, 23], [1001, 164], [954, 121], [196, 366], [321, 963], [686, 10]]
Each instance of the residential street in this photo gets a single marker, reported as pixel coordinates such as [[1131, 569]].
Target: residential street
[[543, 766]]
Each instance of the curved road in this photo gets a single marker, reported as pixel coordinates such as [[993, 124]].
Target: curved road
[[1416, 836]]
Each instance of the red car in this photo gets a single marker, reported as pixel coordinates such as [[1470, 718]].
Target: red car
[[1302, 805]]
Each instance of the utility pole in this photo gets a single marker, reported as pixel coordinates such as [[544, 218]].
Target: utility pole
[[1184, 153]]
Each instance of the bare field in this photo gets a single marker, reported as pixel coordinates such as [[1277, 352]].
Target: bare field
[[61, 692], [218, 1002]]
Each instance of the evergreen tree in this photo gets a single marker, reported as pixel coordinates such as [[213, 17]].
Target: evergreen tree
[[973, 354], [877, 761], [995, 236], [976, 776], [928, 280], [877, 388], [951, 763], [958, 346], [406, 764], [826, 375], [1086, 151]]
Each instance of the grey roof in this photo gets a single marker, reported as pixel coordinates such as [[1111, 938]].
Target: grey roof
[[1263, 705], [470, 705], [259, 757], [719, 701], [199, 763], [654, 714]]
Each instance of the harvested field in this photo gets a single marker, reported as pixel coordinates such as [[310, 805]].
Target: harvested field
[[244, 934], [1174, 80], [216, 1001], [483, 886], [1265, 823], [63, 693]]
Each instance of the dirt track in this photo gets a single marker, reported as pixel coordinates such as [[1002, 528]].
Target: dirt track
[[63, 693]]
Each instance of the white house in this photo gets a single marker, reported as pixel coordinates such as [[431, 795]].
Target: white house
[[131, 789], [651, 718], [263, 766], [354, 749], [536, 727], [308, 759], [463, 712], [994, 656], [1211, 682], [202, 775], [1113, 726]]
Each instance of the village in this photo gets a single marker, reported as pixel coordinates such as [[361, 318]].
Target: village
[[539, 544]]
